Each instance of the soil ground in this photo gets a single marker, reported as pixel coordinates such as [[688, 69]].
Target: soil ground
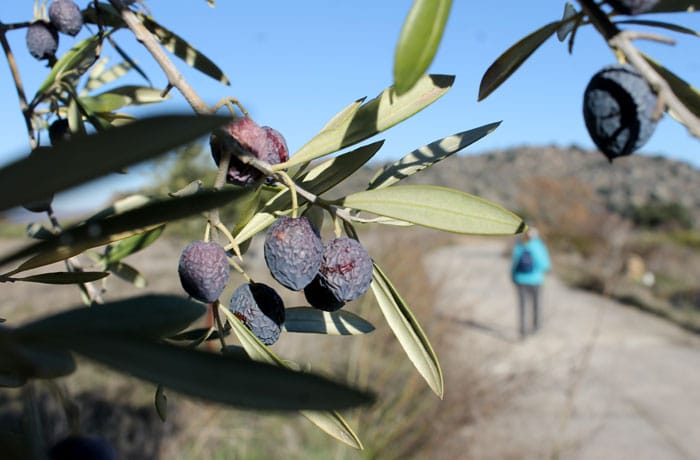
[[599, 380]]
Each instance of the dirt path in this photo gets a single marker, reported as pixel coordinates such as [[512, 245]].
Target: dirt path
[[599, 381]]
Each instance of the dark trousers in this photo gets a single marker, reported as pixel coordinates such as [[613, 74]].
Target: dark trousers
[[528, 296]]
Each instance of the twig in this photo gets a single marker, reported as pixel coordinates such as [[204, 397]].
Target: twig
[[623, 42], [18, 85], [174, 76]]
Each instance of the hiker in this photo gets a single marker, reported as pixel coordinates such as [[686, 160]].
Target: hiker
[[530, 262]]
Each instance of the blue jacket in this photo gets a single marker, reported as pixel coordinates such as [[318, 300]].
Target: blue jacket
[[541, 262]]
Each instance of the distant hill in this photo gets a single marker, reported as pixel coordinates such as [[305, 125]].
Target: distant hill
[[505, 175]]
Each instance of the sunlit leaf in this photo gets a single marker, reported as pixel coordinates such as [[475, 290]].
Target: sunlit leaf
[[330, 422], [100, 77], [419, 40], [73, 63], [116, 148], [375, 116], [132, 245], [407, 330], [64, 277], [128, 59], [662, 25], [180, 48], [97, 232], [428, 155], [313, 320], [437, 207], [687, 93], [676, 6], [122, 96], [128, 274], [151, 316], [509, 61]]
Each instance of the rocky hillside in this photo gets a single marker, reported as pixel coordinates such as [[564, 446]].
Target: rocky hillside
[[505, 176]]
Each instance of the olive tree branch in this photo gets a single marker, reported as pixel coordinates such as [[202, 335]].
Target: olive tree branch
[[24, 107], [173, 75]]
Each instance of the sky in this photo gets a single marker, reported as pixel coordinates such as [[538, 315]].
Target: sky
[[294, 65]]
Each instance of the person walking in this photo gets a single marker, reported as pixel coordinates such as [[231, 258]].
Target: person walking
[[530, 262]]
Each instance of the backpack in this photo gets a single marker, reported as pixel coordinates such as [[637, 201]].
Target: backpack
[[526, 262]]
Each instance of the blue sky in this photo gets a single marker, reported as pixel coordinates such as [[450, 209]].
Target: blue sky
[[295, 64]]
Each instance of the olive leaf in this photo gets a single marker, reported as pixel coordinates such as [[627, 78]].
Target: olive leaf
[[436, 207], [513, 57], [182, 49], [64, 277], [418, 42], [675, 6], [313, 320], [330, 422], [662, 25], [687, 93], [118, 147], [428, 155], [407, 330], [374, 116]]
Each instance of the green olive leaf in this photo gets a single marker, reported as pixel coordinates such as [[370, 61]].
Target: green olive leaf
[[407, 330], [313, 320], [688, 94], [513, 57], [150, 316], [377, 115], [661, 25], [330, 422], [131, 245], [428, 155], [127, 273], [436, 207], [97, 232], [182, 49], [418, 42], [117, 147], [64, 277]]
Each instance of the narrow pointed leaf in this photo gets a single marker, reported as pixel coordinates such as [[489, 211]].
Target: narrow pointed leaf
[[676, 6], [100, 77], [122, 96], [128, 274], [226, 379], [116, 148], [97, 232], [508, 62], [180, 48], [312, 320], [128, 59], [428, 155], [407, 330], [151, 316], [375, 116], [132, 245], [344, 117], [419, 40], [439, 208], [64, 277], [330, 422], [567, 25], [688, 94], [103, 102], [662, 25], [74, 62], [107, 15]]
